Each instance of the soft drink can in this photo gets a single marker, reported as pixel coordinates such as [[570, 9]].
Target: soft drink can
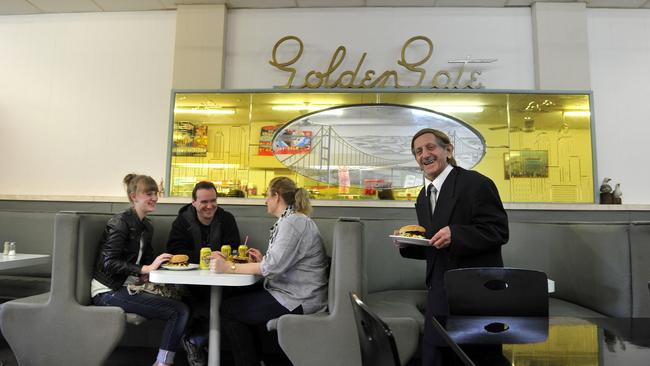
[[226, 250], [242, 251], [204, 255]]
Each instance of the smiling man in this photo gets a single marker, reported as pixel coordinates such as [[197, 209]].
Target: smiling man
[[465, 220], [201, 224]]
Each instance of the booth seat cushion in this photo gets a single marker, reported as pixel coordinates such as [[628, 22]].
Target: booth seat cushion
[[399, 303], [557, 307], [32, 232], [16, 287]]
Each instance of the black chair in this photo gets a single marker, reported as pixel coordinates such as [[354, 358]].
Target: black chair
[[375, 338], [494, 305]]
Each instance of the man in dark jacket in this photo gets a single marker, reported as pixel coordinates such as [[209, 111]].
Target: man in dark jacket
[[463, 215], [201, 224]]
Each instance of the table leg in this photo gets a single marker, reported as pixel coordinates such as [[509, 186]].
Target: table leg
[[214, 336]]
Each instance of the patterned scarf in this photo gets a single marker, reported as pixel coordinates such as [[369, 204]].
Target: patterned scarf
[[274, 230]]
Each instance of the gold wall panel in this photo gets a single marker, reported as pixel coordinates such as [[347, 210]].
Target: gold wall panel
[[538, 145]]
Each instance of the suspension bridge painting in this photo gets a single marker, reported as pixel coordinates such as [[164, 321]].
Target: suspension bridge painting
[[369, 142]]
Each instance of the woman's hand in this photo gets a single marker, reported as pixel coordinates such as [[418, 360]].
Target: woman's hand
[[156, 263], [256, 255], [221, 265]]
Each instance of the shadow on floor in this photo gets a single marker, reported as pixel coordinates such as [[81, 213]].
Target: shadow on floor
[[133, 356]]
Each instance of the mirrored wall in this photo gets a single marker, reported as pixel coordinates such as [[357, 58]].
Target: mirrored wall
[[537, 147]]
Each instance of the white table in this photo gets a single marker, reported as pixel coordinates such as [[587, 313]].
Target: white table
[[22, 260], [207, 278]]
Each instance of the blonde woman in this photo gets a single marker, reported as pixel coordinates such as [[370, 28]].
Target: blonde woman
[[125, 248], [294, 270]]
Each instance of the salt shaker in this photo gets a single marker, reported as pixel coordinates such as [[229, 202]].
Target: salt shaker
[[12, 248]]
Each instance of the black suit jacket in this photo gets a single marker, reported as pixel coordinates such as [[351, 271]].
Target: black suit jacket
[[469, 204]]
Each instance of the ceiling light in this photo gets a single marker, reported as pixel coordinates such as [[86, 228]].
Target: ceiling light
[[202, 165], [453, 108], [577, 113], [205, 110], [300, 107]]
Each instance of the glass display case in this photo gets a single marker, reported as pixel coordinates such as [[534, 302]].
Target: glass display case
[[535, 146]]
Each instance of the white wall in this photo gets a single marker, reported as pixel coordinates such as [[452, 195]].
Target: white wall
[[84, 99], [505, 34], [619, 46]]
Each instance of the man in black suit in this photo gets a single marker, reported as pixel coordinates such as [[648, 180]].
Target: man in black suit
[[463, 215]]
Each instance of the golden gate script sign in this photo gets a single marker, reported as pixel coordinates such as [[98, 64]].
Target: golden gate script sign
[[358, 79]]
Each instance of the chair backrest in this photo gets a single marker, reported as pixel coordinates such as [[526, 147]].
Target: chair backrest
[[496, 291], [378, 346]]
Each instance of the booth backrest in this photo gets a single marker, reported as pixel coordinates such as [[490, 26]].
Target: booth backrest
[[640, 258], [91, 226], [90, 229], [589, 262], [33, 233], [385, 269]]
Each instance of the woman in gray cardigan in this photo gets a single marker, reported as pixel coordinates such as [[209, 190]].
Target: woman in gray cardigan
[[294, 270]]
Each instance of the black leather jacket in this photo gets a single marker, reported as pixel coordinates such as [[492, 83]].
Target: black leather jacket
[[119, 248]]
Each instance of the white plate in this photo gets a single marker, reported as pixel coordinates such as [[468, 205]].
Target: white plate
[[407, 240], [180, 268]]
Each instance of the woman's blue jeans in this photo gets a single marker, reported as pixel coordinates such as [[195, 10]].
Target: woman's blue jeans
[[150, 306]]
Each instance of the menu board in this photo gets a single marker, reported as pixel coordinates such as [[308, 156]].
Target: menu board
[[293, 141], [266, 140]]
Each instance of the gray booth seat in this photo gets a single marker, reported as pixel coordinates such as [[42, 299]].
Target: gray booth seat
[[589, 262], [640, 257], [393, 286], [33, 233], [69, 333]]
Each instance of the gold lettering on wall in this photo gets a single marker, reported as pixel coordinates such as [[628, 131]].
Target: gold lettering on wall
[[442, 79]]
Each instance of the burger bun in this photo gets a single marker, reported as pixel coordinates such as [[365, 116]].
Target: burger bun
[[412, 229], [179, 259]]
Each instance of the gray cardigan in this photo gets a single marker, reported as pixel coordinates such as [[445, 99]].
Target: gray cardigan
[[295, 265]]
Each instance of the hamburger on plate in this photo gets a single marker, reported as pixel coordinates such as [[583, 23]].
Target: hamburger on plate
[[178, 260], [412, 231]]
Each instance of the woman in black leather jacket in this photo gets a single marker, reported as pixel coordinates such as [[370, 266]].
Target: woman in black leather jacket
[[125, 247]]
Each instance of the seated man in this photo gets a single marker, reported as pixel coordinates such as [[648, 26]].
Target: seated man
[[201, 224]]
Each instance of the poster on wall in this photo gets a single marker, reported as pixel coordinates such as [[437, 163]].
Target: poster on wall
[[266, 139], [190, 139], [293, 141], [526, 164]]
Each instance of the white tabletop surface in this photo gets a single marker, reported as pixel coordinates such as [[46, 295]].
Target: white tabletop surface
[[22, 260], [201, 277]]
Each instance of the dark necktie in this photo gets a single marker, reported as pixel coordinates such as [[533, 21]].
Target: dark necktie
[[431, 194]]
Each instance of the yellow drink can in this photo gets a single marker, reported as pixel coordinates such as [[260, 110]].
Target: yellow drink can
[[204, 258], [226, 250], [242, 250]]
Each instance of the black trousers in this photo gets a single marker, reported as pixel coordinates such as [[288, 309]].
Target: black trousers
[[242, 315]]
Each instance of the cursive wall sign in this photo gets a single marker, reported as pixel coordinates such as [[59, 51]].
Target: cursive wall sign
[[360, 78]]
